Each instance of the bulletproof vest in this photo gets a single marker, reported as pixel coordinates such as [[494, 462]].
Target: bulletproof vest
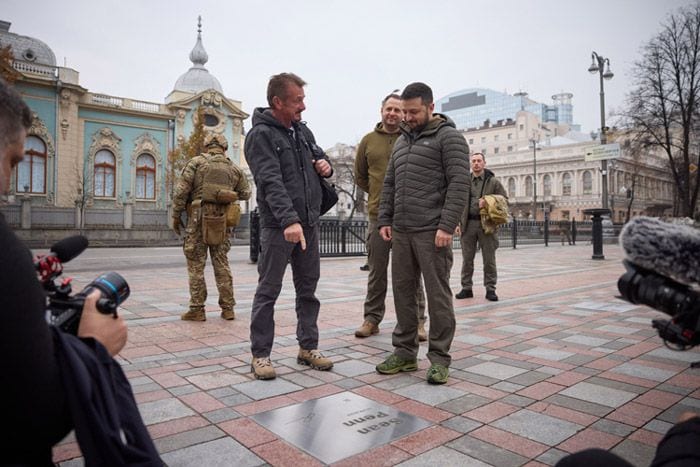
[[214, 180]]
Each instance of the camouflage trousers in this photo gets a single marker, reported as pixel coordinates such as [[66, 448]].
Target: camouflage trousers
[[196, 254]]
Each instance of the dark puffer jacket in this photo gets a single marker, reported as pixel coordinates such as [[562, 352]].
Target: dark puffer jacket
[[288, 187], [427, 179]]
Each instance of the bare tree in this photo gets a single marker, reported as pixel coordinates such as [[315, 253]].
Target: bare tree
[[664, 106], [636, 146], [78, 185], [343, 160]]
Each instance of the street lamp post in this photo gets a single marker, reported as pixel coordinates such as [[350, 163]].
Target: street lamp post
[[601, 66], [534, 179]]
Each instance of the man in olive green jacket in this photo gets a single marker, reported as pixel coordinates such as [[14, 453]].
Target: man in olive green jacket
[[372, 157]]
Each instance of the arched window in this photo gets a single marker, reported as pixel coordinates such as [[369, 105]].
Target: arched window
[[587, 183], [145, 177], [528, 186], [105, 171], [511, 187], [31, 172], [547, 182], [566, 185]]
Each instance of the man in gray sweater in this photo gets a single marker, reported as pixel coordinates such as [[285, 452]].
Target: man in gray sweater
[[424, 194]]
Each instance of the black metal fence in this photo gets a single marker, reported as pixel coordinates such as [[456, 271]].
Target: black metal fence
[[347, 238]]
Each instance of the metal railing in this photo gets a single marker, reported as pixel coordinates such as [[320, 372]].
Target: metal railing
[[343, 238]]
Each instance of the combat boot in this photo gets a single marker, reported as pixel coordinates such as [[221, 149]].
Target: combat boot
[[315, 359], [194, 315], [367, 329], [262, 368], [422, 334], [228, 315]]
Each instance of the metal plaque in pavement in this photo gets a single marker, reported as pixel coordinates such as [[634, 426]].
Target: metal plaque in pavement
[[335, 427]]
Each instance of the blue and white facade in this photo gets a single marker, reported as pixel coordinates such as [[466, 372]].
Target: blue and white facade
[[101, 153]]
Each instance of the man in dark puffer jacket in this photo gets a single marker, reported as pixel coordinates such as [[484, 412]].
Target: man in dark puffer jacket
[[425, 191]]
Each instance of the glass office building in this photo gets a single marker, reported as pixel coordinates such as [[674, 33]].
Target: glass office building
[[471, 108]]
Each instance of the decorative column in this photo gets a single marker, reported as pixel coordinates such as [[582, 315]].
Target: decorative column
[[26, 209], [128, 211]]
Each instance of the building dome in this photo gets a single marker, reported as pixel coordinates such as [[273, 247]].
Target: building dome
[[24, 48], [198, 78]]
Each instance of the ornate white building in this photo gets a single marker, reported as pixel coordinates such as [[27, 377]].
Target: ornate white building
[[549, 160]]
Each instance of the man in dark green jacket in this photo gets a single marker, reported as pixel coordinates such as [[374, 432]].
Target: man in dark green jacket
[[424, 194], [372, 157], [483, 183]]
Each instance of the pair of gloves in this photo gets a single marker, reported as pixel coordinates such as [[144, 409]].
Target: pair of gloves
[[177, 224]]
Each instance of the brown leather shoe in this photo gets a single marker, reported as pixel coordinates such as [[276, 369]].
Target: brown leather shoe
[[228, 315], [367, 329], [194, 315], [262, 368], [422, 334], [315, 359]]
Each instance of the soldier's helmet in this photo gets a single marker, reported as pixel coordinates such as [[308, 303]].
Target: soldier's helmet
[[215, 139]]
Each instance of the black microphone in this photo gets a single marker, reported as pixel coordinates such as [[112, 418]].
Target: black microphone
[[671, 250], [50, 266], [70, 247]]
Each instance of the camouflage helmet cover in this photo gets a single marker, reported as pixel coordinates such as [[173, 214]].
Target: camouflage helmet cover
[[215, 139]]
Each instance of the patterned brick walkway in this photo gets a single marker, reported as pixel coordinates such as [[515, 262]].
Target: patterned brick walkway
[[559, 364]]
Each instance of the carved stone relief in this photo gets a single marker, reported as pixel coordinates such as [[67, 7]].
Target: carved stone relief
[[148, 144], [64, 128], [181, 114], [211, 98], [221, 117], [65, 98]]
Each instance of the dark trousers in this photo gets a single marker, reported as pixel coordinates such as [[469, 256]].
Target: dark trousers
[[415, 254], [378, 252], [471, 234], [272, 264]]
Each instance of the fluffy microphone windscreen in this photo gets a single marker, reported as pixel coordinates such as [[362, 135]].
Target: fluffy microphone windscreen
[[672, 250]]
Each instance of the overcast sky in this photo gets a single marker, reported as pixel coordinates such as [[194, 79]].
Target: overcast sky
[[351, 53]]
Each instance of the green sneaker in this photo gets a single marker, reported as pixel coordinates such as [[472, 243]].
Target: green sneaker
[[394, 364], [437, 374]]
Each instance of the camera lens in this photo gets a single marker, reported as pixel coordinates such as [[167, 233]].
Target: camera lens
[[113, 286]]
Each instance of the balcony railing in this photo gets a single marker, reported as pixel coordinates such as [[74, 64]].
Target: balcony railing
[[112, 101], [46, 71]]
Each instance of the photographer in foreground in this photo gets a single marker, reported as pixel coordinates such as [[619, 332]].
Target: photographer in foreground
[[662, 263], [37, 404]]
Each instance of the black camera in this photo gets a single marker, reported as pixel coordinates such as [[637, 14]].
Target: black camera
[[63, 309], [639, 285]]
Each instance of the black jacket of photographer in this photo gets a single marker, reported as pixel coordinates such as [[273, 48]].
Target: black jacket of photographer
[[55, 382], [281, 160], [34, 404]]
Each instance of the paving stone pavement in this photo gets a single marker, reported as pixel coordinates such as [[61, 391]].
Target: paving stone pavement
[[557, 365]]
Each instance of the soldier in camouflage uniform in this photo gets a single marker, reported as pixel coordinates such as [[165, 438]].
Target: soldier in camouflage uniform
[[189, 193]]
